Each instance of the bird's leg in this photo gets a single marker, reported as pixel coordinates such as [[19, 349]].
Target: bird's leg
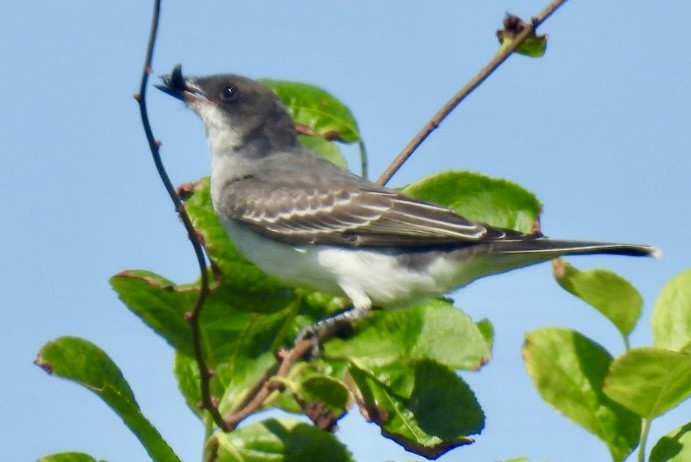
[[330, 326]]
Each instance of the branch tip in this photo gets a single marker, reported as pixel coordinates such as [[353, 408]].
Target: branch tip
[[521, 30]]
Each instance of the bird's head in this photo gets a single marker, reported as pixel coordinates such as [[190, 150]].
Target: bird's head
[[236, 111]]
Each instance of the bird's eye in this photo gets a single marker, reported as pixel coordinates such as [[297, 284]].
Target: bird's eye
[[229, 93]]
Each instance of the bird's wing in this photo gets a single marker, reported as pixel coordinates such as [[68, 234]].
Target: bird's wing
[[306, 209]]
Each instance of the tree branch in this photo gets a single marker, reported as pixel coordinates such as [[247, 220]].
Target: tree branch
[[264, 386], [193, 316], [485, 72]]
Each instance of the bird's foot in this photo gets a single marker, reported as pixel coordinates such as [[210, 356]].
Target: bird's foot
[[338, 324]]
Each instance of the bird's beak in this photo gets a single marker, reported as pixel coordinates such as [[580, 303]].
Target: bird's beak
[[178, 87]]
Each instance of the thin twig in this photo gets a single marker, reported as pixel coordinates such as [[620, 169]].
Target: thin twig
[[465, 91], [193, 316], [264, 386]]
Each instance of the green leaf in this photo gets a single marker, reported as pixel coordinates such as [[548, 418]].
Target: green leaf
[[325, 148], [68, 457], [317, 387], [159, 303], [402, 365], [276, 440], [317, 111], [672, 314], [675, 446], [322, 398], [326, 390], [650, 381], [606, 291], [187, 375], [568, 370], [432, 330], [533, 45], [412, 401], [480, 198], [83, 362]]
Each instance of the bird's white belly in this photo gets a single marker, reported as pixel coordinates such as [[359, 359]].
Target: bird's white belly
[[367, 277]]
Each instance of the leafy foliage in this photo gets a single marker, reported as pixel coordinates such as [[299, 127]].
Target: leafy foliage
[[83, 362], [613, 397], [568, 370]]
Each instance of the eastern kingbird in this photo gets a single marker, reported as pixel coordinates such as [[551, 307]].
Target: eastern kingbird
[[307, 222]]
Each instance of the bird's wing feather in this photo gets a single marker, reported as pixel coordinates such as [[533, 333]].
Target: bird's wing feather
[[304, 209]]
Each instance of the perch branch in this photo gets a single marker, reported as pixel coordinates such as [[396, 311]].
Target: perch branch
[[264, 386]]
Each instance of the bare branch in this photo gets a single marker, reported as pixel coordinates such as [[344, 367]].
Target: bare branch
[[264, 386], [193, 316], [485, 72]]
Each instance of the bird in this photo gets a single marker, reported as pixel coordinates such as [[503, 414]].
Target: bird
[[312, 224]]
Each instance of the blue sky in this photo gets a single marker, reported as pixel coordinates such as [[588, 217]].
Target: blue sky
[[599, 130]]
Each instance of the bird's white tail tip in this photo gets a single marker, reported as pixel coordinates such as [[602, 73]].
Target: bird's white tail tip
[[656, 253]]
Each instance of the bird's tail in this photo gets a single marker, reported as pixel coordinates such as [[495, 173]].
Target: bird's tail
[[544, 247], [505, 255]]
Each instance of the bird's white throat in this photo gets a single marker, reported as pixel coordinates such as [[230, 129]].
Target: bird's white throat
[[220, 133]]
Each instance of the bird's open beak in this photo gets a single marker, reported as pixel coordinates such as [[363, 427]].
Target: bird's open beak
[[178, 87]]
